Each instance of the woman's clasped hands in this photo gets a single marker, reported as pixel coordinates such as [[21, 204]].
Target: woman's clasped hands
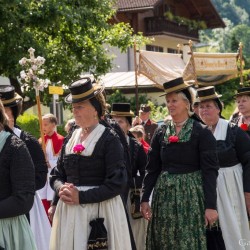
[[69, 194]]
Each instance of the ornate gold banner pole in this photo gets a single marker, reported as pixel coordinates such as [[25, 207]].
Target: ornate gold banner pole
[[136, 81], [40, 120], [241, 66], [190, 43]]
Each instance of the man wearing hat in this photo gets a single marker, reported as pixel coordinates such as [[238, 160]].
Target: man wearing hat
[[122, 114], [38, 219], [144, 120]]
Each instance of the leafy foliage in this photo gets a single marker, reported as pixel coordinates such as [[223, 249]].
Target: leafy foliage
[[229, 88], [157, 112], [236, 15], [118, 97], [235, 10], [69, 34], [192, 24], [29, 123]]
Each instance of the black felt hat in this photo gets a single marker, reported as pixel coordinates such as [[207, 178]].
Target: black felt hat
[[8, 96], [121, 109], [243, 91], [176, 85], [207, 93], [82, 90]]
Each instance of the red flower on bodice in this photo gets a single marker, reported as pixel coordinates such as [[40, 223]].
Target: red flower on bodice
[[78, 149], [244, 126], [173, 138]]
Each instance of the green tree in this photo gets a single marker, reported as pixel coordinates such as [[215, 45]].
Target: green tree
[[69, 34], [118, 97], [242, 33], [235, 10]]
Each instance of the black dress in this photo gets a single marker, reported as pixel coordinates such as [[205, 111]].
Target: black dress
[[137, 168], [183, 174], [38, 158], [101, 177], [17, 179], [17, 188], [234, 179]]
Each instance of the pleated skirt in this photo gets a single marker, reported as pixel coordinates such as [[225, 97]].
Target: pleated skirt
[[15, 234], [71, 229], [232, 208], [177, 213]]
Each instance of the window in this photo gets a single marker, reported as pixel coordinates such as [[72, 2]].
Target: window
[[154, 48], [174, 51]]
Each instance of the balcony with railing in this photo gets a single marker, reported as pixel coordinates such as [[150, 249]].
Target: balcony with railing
[[160, 26]]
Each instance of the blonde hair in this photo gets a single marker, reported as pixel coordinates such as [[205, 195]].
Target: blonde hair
[[52, 118], [184, 97]]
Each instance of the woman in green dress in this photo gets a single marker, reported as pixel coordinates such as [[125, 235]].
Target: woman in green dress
[[182, 169]]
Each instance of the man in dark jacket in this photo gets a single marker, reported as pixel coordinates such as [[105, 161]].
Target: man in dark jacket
[[144, 120]]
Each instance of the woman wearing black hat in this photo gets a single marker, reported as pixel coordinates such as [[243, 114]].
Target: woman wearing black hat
[[38, 219], [234, 174], [122, 114], [242, 117], [89, 179], [182, 168], [17, 189]]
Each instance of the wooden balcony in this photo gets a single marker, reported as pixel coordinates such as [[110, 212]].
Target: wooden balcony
[[160, 26]]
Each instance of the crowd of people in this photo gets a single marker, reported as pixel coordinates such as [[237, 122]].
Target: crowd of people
[[118, 181]]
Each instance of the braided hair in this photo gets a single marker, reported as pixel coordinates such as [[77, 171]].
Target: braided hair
[[99, 103]]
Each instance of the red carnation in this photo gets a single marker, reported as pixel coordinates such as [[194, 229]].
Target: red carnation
[[173, 138], [78, 149], [244, 126]]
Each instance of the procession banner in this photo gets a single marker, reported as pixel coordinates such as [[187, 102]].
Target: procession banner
[[211, 68], [160, 67], [208, 68]]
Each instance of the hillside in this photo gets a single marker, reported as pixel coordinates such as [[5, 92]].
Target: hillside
[[237, 11]]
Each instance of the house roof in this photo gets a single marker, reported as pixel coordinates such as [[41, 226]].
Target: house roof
[[133, 5], [205, 10], [201, 10]]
